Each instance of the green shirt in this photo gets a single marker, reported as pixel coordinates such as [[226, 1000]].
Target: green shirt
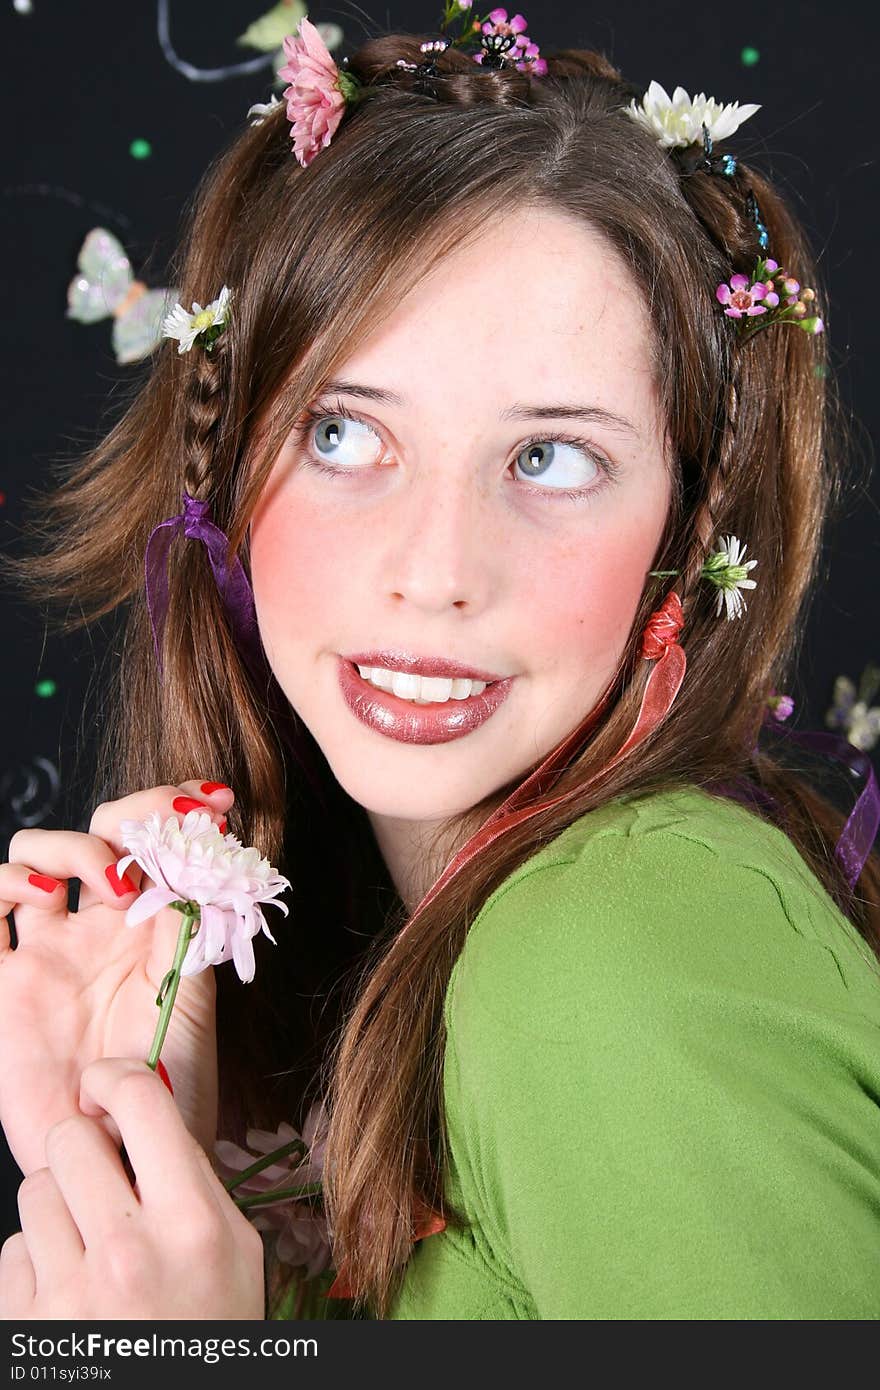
[[661, 1083]]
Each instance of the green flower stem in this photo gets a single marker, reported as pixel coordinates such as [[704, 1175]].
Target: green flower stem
[[770, 319], [265, 1162], [265, 1199], [168, 992]]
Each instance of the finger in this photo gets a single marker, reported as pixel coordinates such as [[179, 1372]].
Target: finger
[[85, 1166], [156, 1139], [172, 800], [18, 1282], [20, 884], [63, 854], [54, 1242]]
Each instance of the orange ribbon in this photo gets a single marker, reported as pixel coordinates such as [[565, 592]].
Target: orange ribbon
[[430, 1226]]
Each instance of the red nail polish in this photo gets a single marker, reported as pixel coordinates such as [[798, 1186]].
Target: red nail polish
[[43, 881], [188, 803], [222, 826], [122, 885], [208, 787], [160, 1068]]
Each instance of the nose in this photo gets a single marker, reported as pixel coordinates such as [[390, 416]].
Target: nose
[[436, 553]]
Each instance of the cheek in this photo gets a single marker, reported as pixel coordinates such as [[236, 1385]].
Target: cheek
[[298, 570], [585, 597]]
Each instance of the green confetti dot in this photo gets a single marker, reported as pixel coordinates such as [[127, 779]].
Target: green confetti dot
[[140, 149], [749, 57], [45, 688]]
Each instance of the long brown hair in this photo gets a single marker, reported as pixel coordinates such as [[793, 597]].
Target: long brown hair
[[318, 257]]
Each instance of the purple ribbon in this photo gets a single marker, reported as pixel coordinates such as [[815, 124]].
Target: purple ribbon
[[860, 832], [232, 582]]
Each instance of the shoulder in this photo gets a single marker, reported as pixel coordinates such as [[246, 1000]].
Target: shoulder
[[651, 899], [660, 1037]]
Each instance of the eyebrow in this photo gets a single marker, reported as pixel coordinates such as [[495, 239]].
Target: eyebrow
[[594, 414]]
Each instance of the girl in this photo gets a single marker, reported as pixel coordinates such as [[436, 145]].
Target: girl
[[586, 975]]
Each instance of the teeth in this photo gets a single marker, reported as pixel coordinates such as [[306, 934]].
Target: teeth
[[422, 690]]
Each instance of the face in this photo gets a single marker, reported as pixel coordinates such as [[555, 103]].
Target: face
[[451, 524]]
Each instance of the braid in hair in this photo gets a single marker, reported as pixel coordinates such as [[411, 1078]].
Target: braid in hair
[[711, 507], [455, 78], [722, 206], [203, 409]]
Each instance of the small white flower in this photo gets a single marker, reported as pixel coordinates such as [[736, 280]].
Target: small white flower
[[187, 327], [863, 726], [192, 862], [853, 714], [260, 110], [725, 569], [678, 120]]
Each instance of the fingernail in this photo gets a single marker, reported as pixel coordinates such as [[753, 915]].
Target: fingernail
[[122, 885], [43, 881], [209, 787], [160, 1068], [222, 826], [188, 803]]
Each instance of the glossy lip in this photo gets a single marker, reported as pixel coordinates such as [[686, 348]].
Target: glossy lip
[[421, 665], [409, 723]]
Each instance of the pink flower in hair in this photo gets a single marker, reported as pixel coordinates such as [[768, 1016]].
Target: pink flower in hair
[[524, 54], [498, 23], [531, 62], [742, 298], [317, 95]]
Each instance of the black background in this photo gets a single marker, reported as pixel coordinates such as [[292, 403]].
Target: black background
[[82, 80]]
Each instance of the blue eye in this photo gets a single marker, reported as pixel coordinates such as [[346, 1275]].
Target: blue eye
[[340, 443], [344, 440], [547, 455]]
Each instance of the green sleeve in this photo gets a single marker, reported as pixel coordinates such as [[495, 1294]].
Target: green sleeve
[[662, 1090]]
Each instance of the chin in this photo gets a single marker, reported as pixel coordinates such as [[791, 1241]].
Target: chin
[[396, 798]]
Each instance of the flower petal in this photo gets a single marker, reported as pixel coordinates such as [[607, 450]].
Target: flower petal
[[243, 956], [148, 904]]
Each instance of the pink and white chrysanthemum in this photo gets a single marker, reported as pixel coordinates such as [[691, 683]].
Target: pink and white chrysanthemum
[[302, 1232], [315, 101], [191, 862]]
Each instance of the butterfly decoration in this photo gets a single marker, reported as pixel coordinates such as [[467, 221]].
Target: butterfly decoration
[[852, 711], [105, 286], [268, 31]]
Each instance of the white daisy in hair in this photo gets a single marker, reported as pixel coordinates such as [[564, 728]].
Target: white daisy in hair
[[678, 121], [725, 569], [205, 323]]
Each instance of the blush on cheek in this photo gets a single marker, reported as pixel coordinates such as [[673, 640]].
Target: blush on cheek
[[602, 588], [301, 575]]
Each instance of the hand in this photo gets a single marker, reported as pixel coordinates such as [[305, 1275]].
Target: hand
[[83, 985], [174, 1246]]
